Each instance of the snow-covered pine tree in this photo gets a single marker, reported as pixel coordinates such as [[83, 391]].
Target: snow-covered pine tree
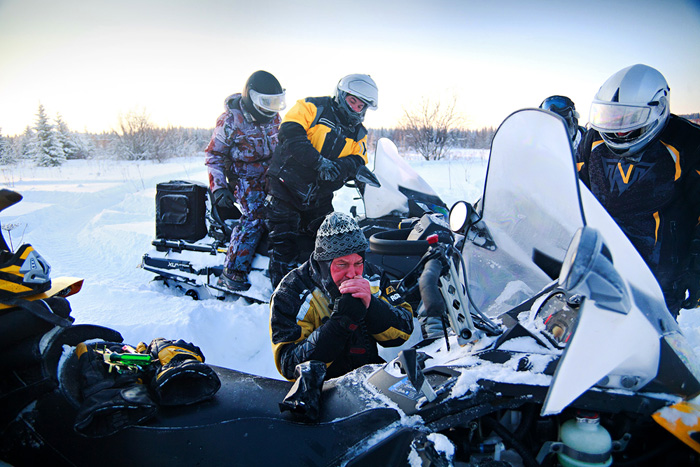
[[47, 151], [24, 145], [5, 153], [66, 138]]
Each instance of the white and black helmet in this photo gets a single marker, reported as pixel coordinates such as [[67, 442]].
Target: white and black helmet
[[263, 96], [361, 86], [631, 108]]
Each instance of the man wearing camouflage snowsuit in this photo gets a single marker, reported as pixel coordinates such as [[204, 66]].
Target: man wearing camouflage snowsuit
[[237, 159]]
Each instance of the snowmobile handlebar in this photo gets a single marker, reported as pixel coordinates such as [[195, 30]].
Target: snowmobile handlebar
[[428, 285]]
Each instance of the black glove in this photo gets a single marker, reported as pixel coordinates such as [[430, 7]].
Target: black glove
[[328, 170], [181, 376], [111, 399], [348, 166], [223, 199], [349, 311], [304, 398]]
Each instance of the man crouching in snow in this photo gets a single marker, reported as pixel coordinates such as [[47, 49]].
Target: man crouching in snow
[[335, 308]]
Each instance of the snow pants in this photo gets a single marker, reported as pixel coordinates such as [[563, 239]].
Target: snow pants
[[245, 237], [292, 234]]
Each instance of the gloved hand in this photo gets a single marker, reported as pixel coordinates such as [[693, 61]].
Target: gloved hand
[[223, 199], [328, 170], [349, 311], [111, 400]]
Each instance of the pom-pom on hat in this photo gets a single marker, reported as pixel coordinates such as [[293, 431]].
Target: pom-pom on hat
[[339, 235]]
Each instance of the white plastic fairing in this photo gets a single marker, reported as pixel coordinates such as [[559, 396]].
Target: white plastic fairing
[[606, 342], [393, 172]]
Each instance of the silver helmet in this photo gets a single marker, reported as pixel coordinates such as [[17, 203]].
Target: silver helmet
[[631, 108], [361, 86]]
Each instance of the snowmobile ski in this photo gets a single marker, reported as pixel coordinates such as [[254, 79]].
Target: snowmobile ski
[[60, 287]]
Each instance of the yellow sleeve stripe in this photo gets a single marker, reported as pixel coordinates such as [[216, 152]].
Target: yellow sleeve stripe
[[391, 334], [657, 219], [676, 158]]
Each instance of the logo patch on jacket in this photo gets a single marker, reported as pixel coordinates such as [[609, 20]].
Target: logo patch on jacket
[[622, 175], [394, 297]]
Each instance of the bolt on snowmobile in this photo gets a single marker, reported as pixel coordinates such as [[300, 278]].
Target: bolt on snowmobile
[[554, 347]]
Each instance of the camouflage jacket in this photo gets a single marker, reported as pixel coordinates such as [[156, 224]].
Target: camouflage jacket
[[239, 146]]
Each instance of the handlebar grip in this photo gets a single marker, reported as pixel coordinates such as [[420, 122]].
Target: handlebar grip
[[429, 292]]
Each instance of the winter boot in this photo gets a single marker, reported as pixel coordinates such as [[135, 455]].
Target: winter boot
[[235, 282], [181, 376]]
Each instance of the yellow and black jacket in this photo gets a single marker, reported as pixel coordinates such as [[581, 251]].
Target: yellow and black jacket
[[314, 128], [655, 201], [302, 327]]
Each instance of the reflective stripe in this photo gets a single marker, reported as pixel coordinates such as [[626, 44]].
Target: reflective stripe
[[675, 155], [304, 308]]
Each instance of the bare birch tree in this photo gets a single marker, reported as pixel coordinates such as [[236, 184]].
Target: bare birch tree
[[428, 127]]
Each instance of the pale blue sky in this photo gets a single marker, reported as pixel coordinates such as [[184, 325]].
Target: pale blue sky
[[178, 59]]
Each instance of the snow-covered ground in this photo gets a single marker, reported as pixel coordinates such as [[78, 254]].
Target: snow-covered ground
[[95, 220]]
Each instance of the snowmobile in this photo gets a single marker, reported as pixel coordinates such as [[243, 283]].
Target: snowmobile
[[557, 349], [192, 236]]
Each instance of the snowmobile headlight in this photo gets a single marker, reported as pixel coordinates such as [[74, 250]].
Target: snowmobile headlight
[[588, 270], [559, 316]]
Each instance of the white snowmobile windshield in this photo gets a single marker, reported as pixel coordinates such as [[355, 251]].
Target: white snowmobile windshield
[[530, 208], [399, 182]]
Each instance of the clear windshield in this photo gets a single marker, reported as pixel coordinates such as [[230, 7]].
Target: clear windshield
[[530, 210], [399, 184]]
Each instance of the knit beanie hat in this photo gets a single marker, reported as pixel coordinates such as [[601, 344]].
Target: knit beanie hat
[[339, 235]]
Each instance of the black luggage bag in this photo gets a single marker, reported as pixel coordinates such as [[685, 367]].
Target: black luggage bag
[[181, 210]]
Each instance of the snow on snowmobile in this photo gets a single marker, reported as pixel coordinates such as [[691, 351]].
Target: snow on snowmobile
[[557, 349]]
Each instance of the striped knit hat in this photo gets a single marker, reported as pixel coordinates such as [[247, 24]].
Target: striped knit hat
[[339, 235]]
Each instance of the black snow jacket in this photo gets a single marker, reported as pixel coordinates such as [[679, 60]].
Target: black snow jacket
[[656, 201], [312, 129]]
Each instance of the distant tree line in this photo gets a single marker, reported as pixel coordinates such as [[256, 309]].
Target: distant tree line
[[694, 117], [50, 143], [430, 130]]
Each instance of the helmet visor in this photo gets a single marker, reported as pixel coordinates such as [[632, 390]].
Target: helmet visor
[[270, 102], [363, 91], [609, 118]]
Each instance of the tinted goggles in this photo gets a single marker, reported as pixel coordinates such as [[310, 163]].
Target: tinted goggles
[[559, 104]]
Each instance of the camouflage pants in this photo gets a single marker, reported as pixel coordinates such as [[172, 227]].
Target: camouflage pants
[[246, 236]]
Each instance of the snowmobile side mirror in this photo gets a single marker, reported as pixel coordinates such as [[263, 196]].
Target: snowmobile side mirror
[[462, 215], [366, 176], [588, 270]]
